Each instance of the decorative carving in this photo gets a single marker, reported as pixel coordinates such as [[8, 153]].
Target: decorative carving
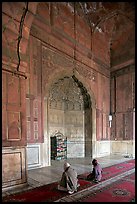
[[55, 58], [35, 130], [35, 109], [14, 126], [35, 135], [50, 61], [35, 126], [66, 91], [87, 73], [28, 130]]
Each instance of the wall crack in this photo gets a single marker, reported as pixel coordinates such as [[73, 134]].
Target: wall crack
[[20, 32]]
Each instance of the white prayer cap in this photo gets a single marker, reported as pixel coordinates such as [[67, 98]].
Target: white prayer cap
[[66, 165]]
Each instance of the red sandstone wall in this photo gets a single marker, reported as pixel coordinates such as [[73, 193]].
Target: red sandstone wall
[[14, 65], [34, 94], [55, 29], [120, 55], [13, 111], [50, 53], [123, 103], [58, 39]]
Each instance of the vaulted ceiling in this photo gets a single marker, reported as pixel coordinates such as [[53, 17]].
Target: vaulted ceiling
[[113, 23], [114, 20]]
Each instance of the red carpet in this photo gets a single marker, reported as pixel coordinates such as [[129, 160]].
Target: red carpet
[[120, 191], [47, 193], [50, 193], [113, 170]]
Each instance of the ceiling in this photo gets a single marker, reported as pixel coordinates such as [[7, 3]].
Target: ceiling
[[98, 13], [115, 20]]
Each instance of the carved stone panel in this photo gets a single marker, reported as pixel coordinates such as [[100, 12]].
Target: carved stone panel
[[13, 166], [52, 60], [13, 126], [35, 109], [35, 66], [14, 111], [119, 126], [127, 126], [27, 107], [34, 124], [28, 130], [105, 126], [123, 91], [99, 118], [14, 87], [67, 94], [35, 130], [87, 72], [10, 167]]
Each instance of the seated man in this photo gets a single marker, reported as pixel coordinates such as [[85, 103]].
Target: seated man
[[69, 181], [96, 174]]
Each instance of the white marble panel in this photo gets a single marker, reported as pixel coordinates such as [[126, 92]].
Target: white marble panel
[[103, 148], [75, 149], [126, 147], [33, 155]]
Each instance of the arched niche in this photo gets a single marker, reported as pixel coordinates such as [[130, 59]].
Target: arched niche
[[86, 106]]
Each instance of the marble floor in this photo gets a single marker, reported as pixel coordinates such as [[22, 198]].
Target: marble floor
[[41, 176]]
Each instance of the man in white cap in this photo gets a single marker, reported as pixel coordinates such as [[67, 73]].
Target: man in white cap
[[69, 181]]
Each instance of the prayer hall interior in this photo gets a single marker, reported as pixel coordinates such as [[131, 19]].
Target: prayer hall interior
[[68, 84]]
